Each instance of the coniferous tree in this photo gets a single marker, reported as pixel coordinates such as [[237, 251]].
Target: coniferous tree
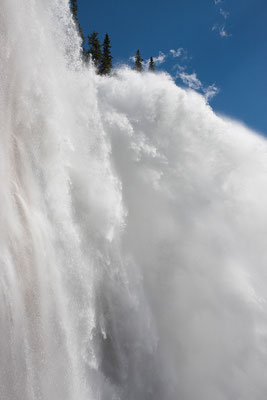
[[82, 37], [106, 59], [138, 66], [94, 49], [74, 10], [151, 66]]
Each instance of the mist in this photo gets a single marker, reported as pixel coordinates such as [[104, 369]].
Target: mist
[[133, 229]]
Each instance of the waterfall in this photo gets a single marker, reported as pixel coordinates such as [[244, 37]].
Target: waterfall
[[133, 229]]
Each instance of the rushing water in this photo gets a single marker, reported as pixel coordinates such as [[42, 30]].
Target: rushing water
[[133, 230]]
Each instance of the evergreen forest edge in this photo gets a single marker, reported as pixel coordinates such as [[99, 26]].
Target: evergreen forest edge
[[100, 55]]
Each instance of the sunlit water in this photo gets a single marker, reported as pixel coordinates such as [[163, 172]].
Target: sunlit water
[[133, 230]]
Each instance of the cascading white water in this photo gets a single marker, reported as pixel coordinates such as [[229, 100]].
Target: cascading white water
[[133, 230]]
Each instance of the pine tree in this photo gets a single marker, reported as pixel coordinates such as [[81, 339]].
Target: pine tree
[[138, 66], [94, 49], [106, 60], [82, 37], [74, 10], [151, 66]]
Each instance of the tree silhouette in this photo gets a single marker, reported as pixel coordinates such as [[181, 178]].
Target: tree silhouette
[[106, 60], [138, 66], [151, 66], [74, 10], [94, 49]]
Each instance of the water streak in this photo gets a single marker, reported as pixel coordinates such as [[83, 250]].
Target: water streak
[[133, 229]]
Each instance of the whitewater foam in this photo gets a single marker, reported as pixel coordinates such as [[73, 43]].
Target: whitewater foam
[[133, 229]]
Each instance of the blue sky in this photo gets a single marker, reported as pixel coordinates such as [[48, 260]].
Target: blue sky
[[222, 46]]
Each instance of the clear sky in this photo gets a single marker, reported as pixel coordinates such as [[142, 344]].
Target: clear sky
[[217, 45]]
